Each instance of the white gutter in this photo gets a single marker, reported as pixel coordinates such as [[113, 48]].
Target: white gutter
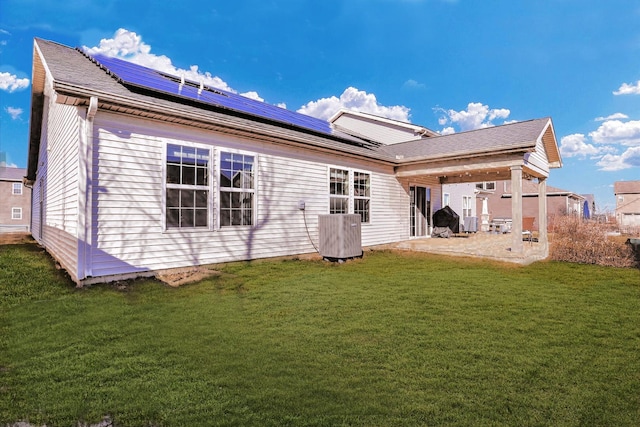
[[85, 188]]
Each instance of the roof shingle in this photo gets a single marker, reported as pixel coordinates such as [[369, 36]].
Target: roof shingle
[[626, 187], [12, 174]]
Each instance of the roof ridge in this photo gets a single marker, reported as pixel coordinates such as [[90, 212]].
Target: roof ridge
[[520, 122]]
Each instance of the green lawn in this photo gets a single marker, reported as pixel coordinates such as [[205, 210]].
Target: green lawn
[[394, 339]]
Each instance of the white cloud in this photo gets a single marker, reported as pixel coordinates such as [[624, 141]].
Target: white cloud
[[413, 84], [355, 100], [606, 143], [253, 95], [4, 164], [628, 89], [129, 46], [15, 113], [281, 105], [476, 116], [11, 82], [612, 162], [612, 117], [575, 145], [447, 131], [617, 132]]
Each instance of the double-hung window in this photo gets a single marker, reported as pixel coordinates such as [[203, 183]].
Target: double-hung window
[[17, 189], [187, 186], [16, 213], [361, 195], [237, 189], [338, 191], [343, 193], [466, 206]]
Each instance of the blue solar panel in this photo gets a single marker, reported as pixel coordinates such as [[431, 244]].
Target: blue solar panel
[[131, 74]]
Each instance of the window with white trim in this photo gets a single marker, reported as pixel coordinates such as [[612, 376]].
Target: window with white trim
[[237, 189], [446, 199], [361, 195], [487, 185], [187, 187], [17, 189], [350, 188], [16, 213], [466, 206], [338, 191]]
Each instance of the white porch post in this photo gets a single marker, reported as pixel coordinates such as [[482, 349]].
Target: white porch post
[[516, 209], [543, 236], [484, 226]]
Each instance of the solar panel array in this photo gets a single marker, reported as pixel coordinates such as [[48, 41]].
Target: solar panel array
[[134, 75]]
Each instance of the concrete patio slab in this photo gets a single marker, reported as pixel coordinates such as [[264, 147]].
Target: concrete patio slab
[[479, 245]]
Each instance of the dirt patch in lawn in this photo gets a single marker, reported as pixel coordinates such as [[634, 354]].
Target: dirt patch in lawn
[[15, 238], [181, 276]]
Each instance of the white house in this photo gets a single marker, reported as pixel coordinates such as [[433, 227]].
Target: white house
[[135, 171]]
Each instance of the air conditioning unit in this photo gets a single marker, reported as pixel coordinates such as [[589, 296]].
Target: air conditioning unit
[[340, 236]]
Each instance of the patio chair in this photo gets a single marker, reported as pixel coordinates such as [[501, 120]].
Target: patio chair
[[527, 228]]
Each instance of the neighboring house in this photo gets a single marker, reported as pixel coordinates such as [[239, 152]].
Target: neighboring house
[[627, 203], [134, 170], [498, 194], [462, 199], [15, 201]]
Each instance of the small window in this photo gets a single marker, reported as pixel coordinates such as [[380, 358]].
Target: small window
[[446, 199], [16, 213], [17, 188], [237, 189], [466, 206], [338, 191], [487, 186], [187, 187], [361, 195]]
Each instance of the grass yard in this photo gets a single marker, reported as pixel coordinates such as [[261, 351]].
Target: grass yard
[[394, 339]]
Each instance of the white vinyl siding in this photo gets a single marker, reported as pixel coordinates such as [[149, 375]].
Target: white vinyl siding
[[129, 236], [385, 132], [538, 161], [57, 184]]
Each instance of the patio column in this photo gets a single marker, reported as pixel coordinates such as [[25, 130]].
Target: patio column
[[543, 236], [516, 209], [485, 215]]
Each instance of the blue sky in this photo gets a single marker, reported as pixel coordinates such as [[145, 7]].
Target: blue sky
[[449, 65]]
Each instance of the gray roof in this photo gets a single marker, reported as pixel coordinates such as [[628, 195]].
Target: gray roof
[[514, 136], [77, 77], [72, 71], [626, 187], [12, 174]]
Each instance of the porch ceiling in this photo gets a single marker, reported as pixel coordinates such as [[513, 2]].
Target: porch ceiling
[[476, 169]]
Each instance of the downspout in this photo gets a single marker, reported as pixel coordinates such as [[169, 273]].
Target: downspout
[[85, 184]]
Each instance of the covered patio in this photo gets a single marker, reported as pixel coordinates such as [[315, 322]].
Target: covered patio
[[516, 152]]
